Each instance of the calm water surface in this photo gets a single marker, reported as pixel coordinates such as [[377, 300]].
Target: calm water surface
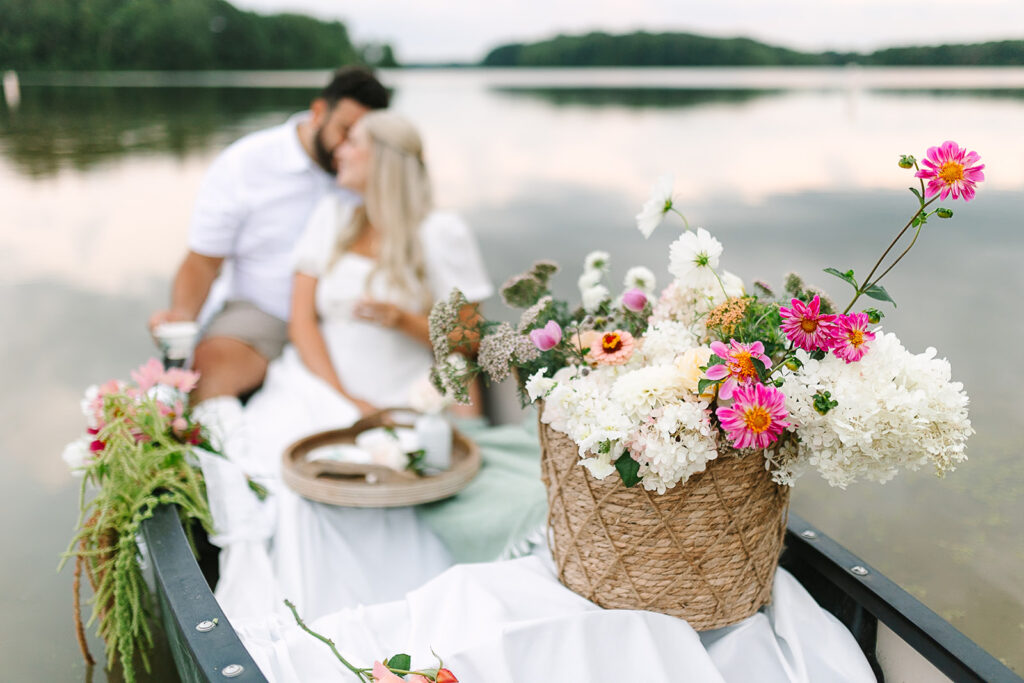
[[790, 170]]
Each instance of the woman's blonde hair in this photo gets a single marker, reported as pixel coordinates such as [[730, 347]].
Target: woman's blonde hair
[[398, 199]]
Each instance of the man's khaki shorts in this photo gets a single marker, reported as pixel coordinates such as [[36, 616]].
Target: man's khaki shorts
[[244, 321]]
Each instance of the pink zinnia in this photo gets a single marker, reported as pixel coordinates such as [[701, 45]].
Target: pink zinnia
[[756, 417], [547, 337], [739, 365], [852, 337], [951, 169], [805, 326], [611, 348]]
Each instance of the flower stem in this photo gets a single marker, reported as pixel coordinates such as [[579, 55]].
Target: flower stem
[[867, 281], [680, 214], [330, 643]]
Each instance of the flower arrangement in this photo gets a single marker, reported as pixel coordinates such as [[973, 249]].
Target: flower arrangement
[[137, 453], [654, 386]]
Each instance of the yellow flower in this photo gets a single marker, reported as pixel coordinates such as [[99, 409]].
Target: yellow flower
[[689, 364]]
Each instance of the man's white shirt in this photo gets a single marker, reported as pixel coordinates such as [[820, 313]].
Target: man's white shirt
[[252, 207]]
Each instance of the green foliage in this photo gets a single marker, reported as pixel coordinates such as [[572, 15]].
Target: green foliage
[[628, 469], [761, 321], [687, 49], [143, 465], [169, 34]]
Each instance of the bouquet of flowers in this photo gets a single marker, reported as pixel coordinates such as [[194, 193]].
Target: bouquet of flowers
[[136, 454], [715, 397], [650, 386]]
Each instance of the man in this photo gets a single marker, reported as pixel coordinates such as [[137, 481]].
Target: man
[[251, 209]]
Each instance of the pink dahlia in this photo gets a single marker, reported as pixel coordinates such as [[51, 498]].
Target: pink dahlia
[[738, 369], [951, 169], [852, 337], [756, 417], [805, 326], [612, 348]]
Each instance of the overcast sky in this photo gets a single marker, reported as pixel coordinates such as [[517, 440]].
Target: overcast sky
[[464, 30]]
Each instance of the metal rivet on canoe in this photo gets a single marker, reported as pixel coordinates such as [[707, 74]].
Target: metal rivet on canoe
[[859, 570], [809, 533], [205, 625], [232, 671]]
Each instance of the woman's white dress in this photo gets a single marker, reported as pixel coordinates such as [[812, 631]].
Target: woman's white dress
[[324, 557]]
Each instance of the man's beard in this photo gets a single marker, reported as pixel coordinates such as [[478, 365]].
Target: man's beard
[[324, 157]]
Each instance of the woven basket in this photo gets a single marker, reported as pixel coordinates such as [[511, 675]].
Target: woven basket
[[705, 551]]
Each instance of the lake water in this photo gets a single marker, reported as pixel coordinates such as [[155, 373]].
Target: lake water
[[790, 169]]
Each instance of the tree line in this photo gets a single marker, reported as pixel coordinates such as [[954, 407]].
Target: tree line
[[170, 34], [687, 49]]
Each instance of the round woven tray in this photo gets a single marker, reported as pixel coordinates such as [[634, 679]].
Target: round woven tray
[[374, 486], [705, 551]]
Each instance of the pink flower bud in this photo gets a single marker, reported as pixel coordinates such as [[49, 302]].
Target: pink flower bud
[[634, 300], [547, 337]]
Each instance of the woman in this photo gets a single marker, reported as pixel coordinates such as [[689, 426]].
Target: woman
[[365, 279]]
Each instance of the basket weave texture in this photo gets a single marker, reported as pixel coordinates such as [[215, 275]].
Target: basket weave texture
[[705, 551]]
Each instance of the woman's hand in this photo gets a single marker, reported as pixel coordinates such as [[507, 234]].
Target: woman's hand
[[365, 408], [381, 313]]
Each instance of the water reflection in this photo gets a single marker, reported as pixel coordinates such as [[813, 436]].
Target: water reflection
[[633, 98], [77, 127]]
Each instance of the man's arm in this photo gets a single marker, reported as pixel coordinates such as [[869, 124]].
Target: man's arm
[[191, 286]]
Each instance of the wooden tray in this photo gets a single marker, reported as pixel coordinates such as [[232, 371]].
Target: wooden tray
[[347, 484]]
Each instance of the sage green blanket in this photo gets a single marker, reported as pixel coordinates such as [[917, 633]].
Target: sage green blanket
[[505, 507]]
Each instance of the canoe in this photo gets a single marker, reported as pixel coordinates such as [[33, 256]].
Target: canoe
[[902, 639]]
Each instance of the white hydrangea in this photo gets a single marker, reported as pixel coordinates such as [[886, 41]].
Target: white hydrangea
[[640, 278], [539, 386], [640, 391], [896, 410], [677, 444], [688, 305], [665, 340]]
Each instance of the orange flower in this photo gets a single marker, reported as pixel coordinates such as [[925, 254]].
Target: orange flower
[[446, 676], [612, 348]]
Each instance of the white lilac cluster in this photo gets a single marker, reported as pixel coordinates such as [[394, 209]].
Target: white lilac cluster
[[895, 410], [688, 304]]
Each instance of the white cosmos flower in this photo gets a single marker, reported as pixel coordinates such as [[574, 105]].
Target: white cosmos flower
[[594, 297], [641, 278], [657, 206], [693, 258], [597, 260]]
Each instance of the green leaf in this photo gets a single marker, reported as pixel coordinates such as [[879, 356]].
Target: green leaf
[[402, 662], [762, 371], [848, 276], [714, 360], [878, 292], [817, 354], [917, 193], [703, 384], [629, 470]]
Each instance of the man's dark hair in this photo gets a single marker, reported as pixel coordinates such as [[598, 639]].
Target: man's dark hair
[[356, 83]]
